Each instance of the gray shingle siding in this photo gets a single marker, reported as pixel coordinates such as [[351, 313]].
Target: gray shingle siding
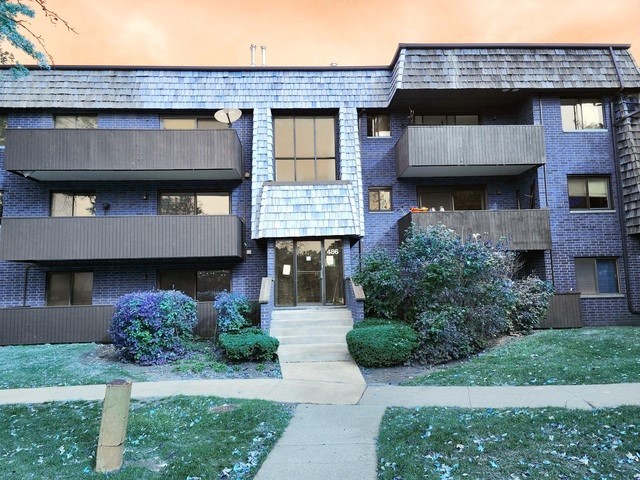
[[524, 68]]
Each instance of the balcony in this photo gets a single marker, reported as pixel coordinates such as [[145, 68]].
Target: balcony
[[141, 237], [516, 229], [469, 150], [111, 155]]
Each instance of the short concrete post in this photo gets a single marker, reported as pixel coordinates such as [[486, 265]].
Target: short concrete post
[[113, 428]]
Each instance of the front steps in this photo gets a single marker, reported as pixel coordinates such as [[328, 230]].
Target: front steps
[[312, 335]]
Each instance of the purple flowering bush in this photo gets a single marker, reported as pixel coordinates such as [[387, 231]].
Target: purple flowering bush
[[151, 328]]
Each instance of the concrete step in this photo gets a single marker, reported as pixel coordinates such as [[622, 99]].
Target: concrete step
[[311, 323], [307, 314], [319, 352], [310, 339], [309, 331]]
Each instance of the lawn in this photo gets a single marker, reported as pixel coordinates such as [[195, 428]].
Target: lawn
[[448, 443], [28, 366], [563, 357], [173, 438]]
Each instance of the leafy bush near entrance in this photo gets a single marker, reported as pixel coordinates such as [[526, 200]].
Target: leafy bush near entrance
[[457, 295], [248, 344], [382, 345], [233, 309], [151, 328]]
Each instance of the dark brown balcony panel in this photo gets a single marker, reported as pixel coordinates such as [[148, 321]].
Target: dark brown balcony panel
[[121, 238], [515, 229], [75, 324], [469, 150], [50, 154]]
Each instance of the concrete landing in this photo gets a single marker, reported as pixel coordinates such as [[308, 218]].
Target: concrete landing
[[326, 443]]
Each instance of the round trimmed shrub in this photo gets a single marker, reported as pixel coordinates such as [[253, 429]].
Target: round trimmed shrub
[[382, 345], [151, 328], [249, 344]]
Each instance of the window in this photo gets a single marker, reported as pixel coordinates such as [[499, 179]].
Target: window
[[585, 114], [380, 199], [597, 276], [305, 149], [69, 288], [3, 129], [192, 123], [589, 193], [76, 121], [73, 204], [203, 285], [194, 203], [378, 126], [452, 198], [446, 120]]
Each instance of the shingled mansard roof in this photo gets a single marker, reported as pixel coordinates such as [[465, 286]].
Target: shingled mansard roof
[[426, 67]]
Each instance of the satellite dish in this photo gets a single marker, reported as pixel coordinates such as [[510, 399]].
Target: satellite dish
[[228, 115]]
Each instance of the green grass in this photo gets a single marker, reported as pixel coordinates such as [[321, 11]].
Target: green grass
[[177, 438], [450, 443], [55, 365], [564, 357]]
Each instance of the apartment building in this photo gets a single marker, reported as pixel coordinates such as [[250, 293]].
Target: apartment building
[[120, 179]]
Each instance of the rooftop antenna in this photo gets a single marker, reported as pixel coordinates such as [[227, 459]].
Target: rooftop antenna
[[227, 115]]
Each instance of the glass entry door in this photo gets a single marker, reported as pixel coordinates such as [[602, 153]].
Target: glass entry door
[[309, 272]]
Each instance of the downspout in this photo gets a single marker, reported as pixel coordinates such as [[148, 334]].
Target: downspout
[[546, 198], [621, 214], [24, 288]]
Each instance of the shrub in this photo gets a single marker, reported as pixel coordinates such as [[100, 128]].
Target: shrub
[[380, 278], [375, 322], [530, 301], [382, 345], [250, 344], [151, 328], [232, 309], [458, 295]]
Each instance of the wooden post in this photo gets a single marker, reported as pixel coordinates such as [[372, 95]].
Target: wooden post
[[113, 428]]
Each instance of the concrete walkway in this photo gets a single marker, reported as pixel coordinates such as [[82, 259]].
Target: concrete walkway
[[333, 432]]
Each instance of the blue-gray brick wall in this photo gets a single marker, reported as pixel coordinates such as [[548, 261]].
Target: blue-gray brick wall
[[28, 198]]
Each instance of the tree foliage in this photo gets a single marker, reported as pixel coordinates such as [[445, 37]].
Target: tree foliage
[[16, 31]]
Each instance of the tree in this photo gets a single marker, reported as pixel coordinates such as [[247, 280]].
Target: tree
[[16, 32]]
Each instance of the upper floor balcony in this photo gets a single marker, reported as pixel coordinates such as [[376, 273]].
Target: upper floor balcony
[[515, 229], [138, 237], [469, 150], [101, 154]]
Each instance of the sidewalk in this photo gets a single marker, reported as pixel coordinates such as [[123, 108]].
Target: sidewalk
[[333, 432]]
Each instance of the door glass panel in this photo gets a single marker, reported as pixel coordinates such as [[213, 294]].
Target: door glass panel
[[468, 199], [181, 280], [82, 288], [61, 205], [212, 204], [285, 295], [84, 205], [435, 199], [309, 270], [179, 123], [59, 289], [177, 204], [334, 284], [211, 282]]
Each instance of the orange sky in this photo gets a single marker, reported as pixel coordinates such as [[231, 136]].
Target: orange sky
[[308, 32]]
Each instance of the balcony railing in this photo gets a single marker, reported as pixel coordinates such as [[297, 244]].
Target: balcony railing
[[101, 154], [515, 229], [43, 239], [75, 324], [468, 150]]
